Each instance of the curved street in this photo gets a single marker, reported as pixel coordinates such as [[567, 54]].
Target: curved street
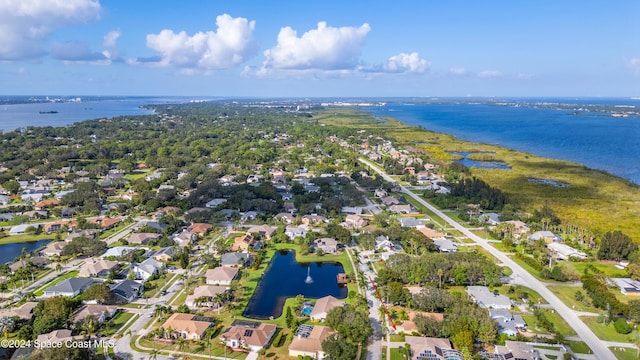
[[600, 350]]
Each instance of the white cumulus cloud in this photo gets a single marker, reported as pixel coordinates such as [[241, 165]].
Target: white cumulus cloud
[[75, 51], [457, 71], [26, 25], [230, 45], [111, 38], [323, 48], [407, 63]]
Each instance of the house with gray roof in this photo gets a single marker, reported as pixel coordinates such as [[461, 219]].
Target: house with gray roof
[[147, 268], [486, 299], [445, 245], [128, 290], [69, 287], [507, 322], [411, 222], [234, 259]]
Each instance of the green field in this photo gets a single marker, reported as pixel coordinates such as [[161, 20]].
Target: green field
[[567, 295], [625, 353], [604, 332]]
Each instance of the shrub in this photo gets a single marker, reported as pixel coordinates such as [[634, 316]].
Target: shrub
[[621, 326]]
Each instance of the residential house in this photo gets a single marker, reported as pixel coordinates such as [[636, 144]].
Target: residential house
[[354, 221], [21, 229], [24, 311], [146, 269], [69, 287], [128, 290], [307, 341], [516, 350], [4, 199], [327, 245], [55, 337], [490, 218], [401, 209], [293, 232], [379, 193], [38, 261], [565, 252], [47, 204], [507, 323], [118, 251], [432, 348], [142, 238], [384, 244], [221, 275], [99, 313], [200, 229], [250, 335], [215, 203], [445, 245], [411, 222], [235, 259], [265, 231], [351, 210], [627, 286], [389, 201], [323, 306], [97, 268], [520, 228], [244, 242], [486, 299], [289, 207], [204, 296], [187, 326], [185, 238], [164, 254], [545, 235], [106, 222], [285, 217], [313, 219]]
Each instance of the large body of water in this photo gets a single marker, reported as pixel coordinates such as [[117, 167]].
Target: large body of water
[[15, 116], [597, 141], [285, 278], [8, 252]]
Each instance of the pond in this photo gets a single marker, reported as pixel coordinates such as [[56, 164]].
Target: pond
[[8, 252], [285, 278], [471, 163]]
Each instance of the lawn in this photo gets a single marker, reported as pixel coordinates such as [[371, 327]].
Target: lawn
[[117, 323], [158, 284], [567, 295], [396, 354], [25, 238], [607, 269], [196, 348], [435, 218], [625, 353], [579, 347], [64, 276], [602, 331]]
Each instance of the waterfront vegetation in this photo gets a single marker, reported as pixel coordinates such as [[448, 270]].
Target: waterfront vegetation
[[594, 200]]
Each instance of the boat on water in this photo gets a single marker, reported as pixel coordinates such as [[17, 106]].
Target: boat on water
[[48, 112]]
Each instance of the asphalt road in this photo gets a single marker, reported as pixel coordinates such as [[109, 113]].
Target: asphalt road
[[600, 350]]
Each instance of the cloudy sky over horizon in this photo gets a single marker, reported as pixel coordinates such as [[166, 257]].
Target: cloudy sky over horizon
[[320, 48]]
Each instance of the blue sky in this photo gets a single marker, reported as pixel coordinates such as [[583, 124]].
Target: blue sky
[[293, 48]]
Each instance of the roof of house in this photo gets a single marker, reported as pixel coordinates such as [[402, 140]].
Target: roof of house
[[251, 332], [94, 266], [221, 274], [188, 323], [431, 233], [309, 338], [94, 310], [266, 229], [485, 298], [127, 288], [324, 305], [199, 228], [234, 258], [410, 221], [149, 266], [517, 350], [432, 348], [118, 251], [71, 285], [23, 311], [142, 238]]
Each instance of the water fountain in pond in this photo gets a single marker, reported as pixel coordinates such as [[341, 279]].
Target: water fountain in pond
[[308, 280]]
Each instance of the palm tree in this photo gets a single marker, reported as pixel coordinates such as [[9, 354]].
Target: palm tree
[[58, 267], [440, 274], [154, 354], [182, 343]]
